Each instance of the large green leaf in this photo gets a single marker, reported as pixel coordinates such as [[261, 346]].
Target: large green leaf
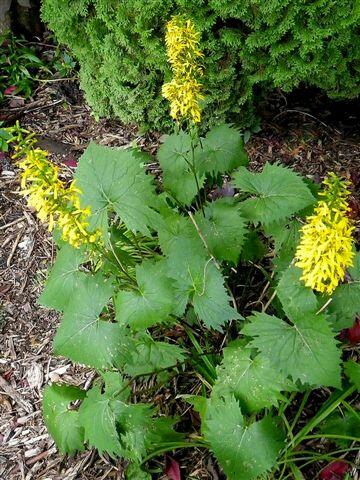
[[243, 451], [178, 234], [115, 427], [114, 180], [345, 302], [223, 150], [306, 350], [120, 429], [83, 336], [64, 278], [97, 416], [277, 193], [135, 422], [345, 305], [62, 421], [197, 279], [210, 298], [151, 356], [175, 158], [152, 303], [252, 379], [223, 229], [297, 299]]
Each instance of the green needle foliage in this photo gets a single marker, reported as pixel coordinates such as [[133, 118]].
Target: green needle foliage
[[249, 46], [169, 258]]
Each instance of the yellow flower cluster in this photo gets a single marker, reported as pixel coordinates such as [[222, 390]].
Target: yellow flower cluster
[[53, 201], [325, 249], [184, 91]]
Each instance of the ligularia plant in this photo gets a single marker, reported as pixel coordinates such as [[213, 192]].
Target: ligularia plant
[[153, 279]]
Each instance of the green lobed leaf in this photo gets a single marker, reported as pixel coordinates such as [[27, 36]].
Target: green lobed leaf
[[307, 350], [150, 356], [345, 301], [243, 451], [152, 304], [134, 423], [114, 180], [254, 248], [223, 229], [223, 150], [199, 404], [175, 158], [345, 305], [178, 234], [64, 278], [97, 416], [296, 299], [110, 424], [120, 429], [251, 379], [196, 279], [83, 336], [61, 421], [115, 385], [352, 370], [211, 300], [277, 193]]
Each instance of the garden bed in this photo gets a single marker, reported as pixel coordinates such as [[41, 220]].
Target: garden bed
[[293, 133]]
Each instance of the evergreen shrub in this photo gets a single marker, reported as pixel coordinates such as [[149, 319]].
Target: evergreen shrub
[[247, 43]]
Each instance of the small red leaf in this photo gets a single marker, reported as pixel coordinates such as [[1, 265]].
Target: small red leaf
[[10, 90], [172, 469], [354, 208], [334, 471], [353, 333], [70, 162]]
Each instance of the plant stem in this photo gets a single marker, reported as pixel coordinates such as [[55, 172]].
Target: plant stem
[[216, 263], [341, 437], [210, 369], [320, 417], [174, 446], [122, 268], [300, 409]]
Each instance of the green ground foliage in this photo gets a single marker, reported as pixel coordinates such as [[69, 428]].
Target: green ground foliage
[[249, 46]]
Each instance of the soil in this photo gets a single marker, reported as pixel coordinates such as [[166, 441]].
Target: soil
[[303, 131]]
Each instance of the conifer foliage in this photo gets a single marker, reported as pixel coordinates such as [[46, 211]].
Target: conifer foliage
[[273, 44]]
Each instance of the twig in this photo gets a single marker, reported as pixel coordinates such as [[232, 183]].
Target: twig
[[302, 113], [13, 248], [10, 224], [269, 301], [41, 455], [12, 393], [324, 306]]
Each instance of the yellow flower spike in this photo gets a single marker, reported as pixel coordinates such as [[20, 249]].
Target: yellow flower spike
[[48, 195], [184, 91], [325, 250]]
